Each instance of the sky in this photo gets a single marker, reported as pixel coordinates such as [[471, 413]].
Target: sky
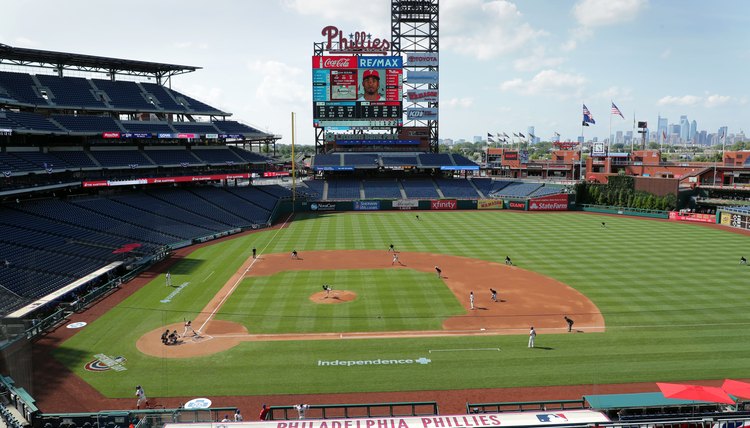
[[504, 65]]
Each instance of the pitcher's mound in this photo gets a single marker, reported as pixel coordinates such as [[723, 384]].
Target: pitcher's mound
[[335, 296]]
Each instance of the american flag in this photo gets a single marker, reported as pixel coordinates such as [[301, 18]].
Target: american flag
[[616, 110], [587, 117]]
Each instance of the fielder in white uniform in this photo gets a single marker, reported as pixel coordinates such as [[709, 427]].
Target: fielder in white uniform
[[532, 336]]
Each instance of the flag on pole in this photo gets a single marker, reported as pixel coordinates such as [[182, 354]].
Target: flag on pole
[[557, 134], [521, 135], [515, 135], [664, 135], [587, 116], [506, 135], [615, 110], [533, 137], [490, 138]]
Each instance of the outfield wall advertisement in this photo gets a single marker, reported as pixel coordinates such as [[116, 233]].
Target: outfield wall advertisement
[[366, 205], [700, 218], [405, 204], [549, 203], [490, 204], [444, 204]]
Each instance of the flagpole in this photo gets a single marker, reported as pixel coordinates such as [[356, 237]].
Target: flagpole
[[294, 169], [580, 154], [609, 138], [632, 140]]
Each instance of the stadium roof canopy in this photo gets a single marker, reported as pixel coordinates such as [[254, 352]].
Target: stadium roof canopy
[[64, 60]]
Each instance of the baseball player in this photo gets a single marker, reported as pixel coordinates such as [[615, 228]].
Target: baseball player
[[391, 249], [237, 416], [532, 336], [255, 251], [471, 300], [395, 259], [295, 256], [494, 294], [301, 408], [141, 395], [570, 323], [743, 260], [189, 327], [327, 289], [507, 261], [439, 272], [169, 279]]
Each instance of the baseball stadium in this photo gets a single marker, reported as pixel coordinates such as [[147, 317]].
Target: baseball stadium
[[160, 265]]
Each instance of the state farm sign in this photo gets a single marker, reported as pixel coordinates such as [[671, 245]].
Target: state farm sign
[[549, 203], [444, 204]]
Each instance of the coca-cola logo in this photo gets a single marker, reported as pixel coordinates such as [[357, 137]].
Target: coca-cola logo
[[444, 204], [338, 62]]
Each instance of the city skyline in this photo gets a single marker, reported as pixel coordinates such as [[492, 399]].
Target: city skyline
[[504, 65]]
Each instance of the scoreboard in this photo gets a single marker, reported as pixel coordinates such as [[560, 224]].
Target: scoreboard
[[740, 221], [339, 94]]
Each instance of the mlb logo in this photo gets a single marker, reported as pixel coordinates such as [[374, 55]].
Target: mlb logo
[[555, 418]]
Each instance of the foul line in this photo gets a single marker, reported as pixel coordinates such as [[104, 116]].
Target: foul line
[[236, 283], [430, 351]]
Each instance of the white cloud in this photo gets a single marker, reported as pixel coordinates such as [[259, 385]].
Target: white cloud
[[685, 100], [717, 100], [548, 82], [597, 13], [615, 93], [539, 59], [279, 83], [465, 102], [484, 29]]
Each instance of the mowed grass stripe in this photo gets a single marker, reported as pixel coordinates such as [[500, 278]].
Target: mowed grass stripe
[[673, 297]]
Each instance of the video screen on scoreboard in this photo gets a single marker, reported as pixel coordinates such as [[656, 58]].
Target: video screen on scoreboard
[[357, 92]]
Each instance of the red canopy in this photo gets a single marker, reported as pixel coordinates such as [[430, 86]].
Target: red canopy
[[695, 392], [736, 388]]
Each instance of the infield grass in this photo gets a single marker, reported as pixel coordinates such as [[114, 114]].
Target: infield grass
[[674, 298]]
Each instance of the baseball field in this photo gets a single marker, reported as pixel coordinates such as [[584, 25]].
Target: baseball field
[[652, 301]]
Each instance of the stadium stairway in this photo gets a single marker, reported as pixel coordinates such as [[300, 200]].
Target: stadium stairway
[[401, 189], [361, 190], [324, 196], [437, 188], [481, 195]]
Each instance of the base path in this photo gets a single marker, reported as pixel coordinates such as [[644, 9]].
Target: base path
[[524, 299]]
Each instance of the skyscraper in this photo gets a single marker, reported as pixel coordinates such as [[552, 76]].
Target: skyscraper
[[684, 129], [662, 130], [693, 130]]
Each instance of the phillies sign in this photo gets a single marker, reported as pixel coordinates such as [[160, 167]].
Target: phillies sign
[[444, 204], [358, 42], [550, 203]]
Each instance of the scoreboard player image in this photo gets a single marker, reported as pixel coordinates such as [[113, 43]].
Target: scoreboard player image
[[370, 89]]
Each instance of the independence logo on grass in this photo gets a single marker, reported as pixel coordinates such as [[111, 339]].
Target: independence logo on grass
[[378, 362]]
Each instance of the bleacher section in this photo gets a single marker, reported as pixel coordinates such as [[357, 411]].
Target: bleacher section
[[20, 86], [343, 189], [124, 95], [382, 189], [420, 188], [315, 188], [120, 158], [72, 92], [327, 160], [217, 156], [434, 160], [172, 156], [86, 124], [250, 156], [51, 243], [516, 190], [390, 161], [460, 189], [361, 161], [547, 189], [148, 127]]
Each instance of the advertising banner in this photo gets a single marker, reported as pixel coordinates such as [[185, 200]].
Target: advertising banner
[[490, 204], [443, 204], [516, 205], [549, 203], [699, 218], [486, 420], [366, 205], [110, 135], [415, 113], [406, 204], [416, 77], [422, 95], [598, 149], [159, 180], [510, 155], [323, 206], [422, 59]]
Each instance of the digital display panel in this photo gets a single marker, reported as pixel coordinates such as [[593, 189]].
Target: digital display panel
[[355, 92]]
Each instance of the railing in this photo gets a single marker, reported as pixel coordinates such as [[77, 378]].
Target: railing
[[519, 406], [337, 411]]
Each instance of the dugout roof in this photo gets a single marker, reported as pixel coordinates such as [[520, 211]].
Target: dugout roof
[[638, 401]]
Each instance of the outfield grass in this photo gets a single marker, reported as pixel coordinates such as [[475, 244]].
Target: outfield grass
[[673, 296]]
